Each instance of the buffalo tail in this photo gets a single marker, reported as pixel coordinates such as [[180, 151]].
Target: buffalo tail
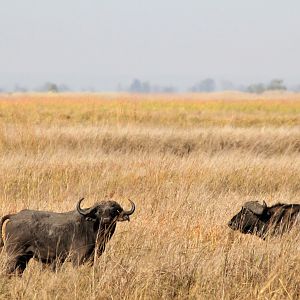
[[3, 219]]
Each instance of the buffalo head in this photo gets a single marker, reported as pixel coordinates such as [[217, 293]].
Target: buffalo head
[[106, 212], [250, 219]]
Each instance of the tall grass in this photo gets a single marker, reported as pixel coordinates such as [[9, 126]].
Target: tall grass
[[188, 175]]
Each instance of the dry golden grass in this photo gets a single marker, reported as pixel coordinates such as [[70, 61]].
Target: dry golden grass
[[186, 110], [188, 162]]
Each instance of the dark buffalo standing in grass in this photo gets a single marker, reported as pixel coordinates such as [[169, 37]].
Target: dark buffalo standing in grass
[[259, 219], [53, 237]]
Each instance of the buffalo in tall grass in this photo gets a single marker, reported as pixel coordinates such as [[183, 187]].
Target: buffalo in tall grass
[[53, 238], [259, 219]]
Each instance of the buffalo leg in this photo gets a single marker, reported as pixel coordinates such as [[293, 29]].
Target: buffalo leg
[[17, 264]]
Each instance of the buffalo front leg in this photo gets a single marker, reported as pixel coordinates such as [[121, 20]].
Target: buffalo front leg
[[17, 264]]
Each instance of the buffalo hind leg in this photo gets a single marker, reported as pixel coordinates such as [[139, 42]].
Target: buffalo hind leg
[[17, 264]]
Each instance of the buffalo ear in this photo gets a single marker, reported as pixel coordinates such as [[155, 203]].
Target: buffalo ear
[[255, 207]]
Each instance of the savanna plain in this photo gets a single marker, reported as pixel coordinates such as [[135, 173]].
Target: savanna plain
[[188, 162]]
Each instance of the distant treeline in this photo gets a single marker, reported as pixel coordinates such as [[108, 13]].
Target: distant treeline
[[210, 85], [206, 85]]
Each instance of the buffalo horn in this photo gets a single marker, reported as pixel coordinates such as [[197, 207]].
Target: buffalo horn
[[255, 207], [81, 211], [131, 211]]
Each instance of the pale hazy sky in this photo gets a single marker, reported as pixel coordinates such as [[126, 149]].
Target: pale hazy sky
[[101, 43]]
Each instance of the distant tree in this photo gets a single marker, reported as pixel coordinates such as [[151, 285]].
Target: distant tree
[[139, 87], [276, 85], [136, 86], [49, 87], [52, 87], [206, 85], [256, 88]]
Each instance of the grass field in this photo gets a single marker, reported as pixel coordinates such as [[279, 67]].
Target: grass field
[[187, 161]]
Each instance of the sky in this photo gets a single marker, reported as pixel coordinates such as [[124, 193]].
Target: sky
[[103, 43]]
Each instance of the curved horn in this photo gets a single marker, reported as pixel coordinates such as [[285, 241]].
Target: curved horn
[[255, 207], [131, 211], [81, 211]]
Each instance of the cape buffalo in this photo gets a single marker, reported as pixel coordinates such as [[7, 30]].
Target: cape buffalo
[[52, 237], [259, 219]]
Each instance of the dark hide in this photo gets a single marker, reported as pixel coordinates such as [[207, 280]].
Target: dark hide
[[54, 237], [259, 219]]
